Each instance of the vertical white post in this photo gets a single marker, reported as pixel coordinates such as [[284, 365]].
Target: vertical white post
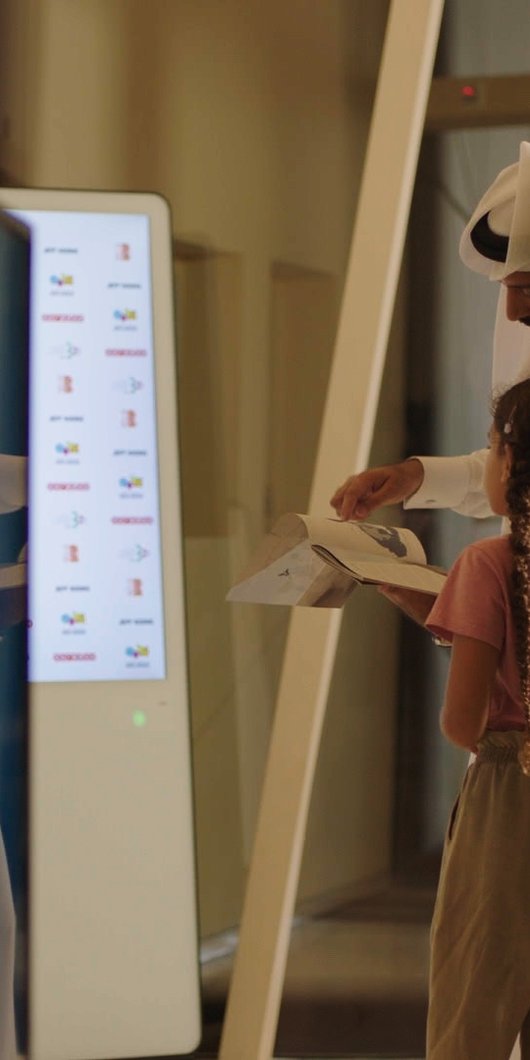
[[377, 247]]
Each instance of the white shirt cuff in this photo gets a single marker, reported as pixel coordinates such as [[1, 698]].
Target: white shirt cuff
[[453, 482]]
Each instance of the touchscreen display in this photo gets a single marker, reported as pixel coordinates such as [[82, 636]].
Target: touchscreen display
[[95, 580]]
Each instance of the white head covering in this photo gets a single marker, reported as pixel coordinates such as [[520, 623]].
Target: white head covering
[[496, 239], [496, 242]]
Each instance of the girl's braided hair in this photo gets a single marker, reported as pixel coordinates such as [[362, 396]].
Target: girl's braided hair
[[511, 420]]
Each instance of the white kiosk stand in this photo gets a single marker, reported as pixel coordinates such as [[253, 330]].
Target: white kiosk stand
[[113, 962], [397, 125]]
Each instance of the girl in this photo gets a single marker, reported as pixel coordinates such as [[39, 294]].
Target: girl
[[480, 956]]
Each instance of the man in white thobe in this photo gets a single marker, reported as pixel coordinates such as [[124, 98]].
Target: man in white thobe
[[496, 243]]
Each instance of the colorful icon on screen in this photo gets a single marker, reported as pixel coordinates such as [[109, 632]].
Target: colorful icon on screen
[[132, 385], [65, 351], [134, 554], [71, 553], [71, 520], [67, 448], [129, 418], [137, 553], [132, 482], [125, 315], [62, 280], [66, 384], [141, 651], [74, 618], [123, 251], [135, 587]]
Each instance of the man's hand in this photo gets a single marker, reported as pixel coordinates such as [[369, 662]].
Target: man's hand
[[362, 493]]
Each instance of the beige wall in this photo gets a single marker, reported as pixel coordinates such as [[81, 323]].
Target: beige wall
[[252, 119]]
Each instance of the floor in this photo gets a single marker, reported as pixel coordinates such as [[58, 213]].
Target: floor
[[356, 981]]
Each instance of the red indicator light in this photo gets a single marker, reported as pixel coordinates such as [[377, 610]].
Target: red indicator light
[[468, 91]]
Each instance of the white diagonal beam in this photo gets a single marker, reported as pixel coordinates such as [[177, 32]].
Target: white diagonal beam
[[358, 361]]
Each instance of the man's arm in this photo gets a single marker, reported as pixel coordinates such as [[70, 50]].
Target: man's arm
[[422, 482], [455, 482]]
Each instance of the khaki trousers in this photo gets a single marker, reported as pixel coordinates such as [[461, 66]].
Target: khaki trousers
[[480, 938]]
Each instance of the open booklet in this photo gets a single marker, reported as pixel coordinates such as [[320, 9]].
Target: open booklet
[[317, 562]]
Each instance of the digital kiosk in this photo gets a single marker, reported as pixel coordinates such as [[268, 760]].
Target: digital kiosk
[[113, 963]]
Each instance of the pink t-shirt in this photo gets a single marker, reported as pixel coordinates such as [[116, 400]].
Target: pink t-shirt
[[475, 602]]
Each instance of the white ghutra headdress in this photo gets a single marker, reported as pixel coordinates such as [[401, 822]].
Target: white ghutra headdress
[[496, 243]]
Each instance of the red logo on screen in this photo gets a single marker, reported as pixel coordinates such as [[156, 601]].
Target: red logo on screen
[[71, 656], [132, 520], [125, 353], [63, 318]]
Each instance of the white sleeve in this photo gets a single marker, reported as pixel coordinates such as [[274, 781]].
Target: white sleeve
[[453, 482]]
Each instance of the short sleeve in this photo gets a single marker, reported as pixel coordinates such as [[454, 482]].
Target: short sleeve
[[472, 602]]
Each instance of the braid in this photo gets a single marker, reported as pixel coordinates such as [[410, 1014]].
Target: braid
[[511, 418], [518, 498]]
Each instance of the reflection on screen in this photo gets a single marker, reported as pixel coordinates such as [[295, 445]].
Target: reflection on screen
[[96, 606], [14, 320]]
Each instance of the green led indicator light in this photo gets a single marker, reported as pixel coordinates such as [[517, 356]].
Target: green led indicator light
[[139, 719]]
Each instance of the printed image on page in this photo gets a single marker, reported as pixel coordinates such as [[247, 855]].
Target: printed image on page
[[375, 553], [364, 540]]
